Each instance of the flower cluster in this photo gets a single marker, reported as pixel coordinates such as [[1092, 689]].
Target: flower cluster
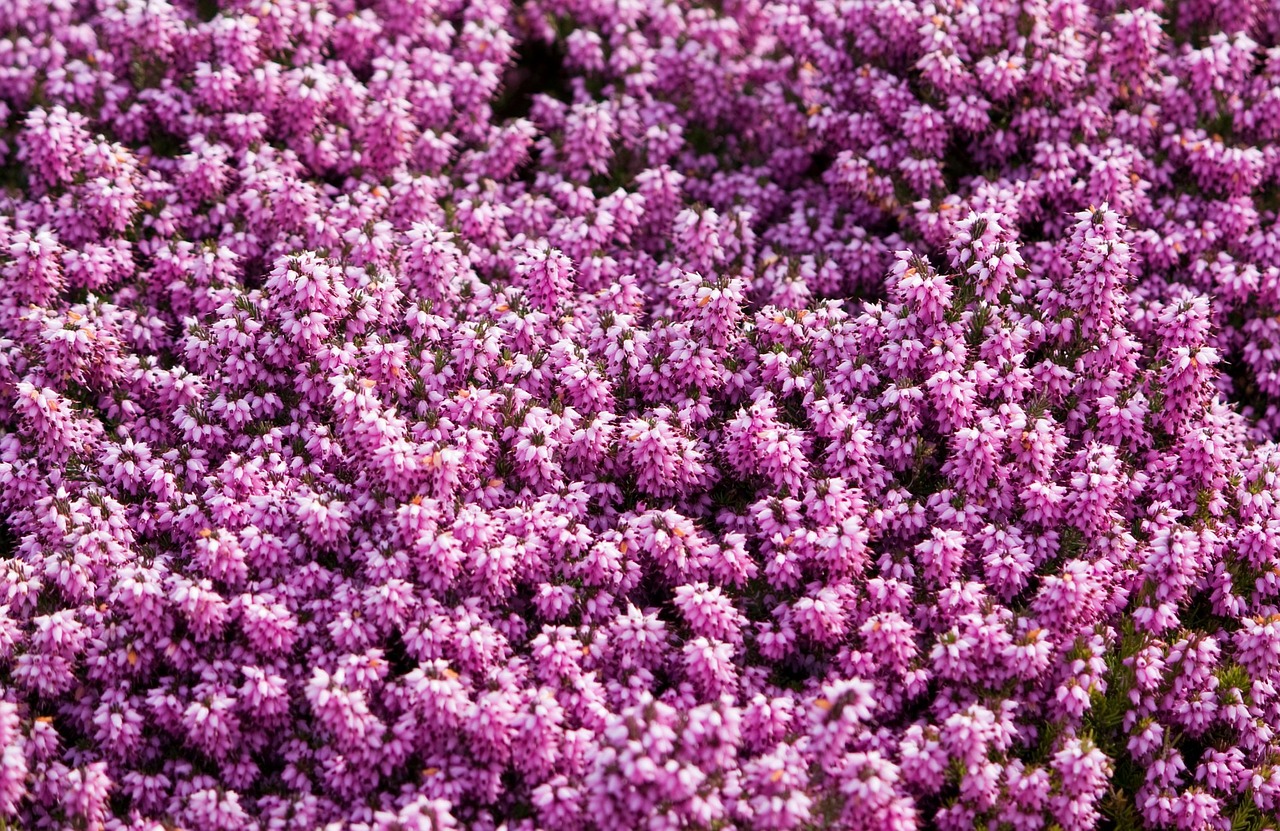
[[563, 415]]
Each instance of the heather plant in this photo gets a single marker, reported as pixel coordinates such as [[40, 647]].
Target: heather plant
[[560, 415]]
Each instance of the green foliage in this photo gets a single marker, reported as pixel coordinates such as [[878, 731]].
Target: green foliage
[[1119, 811], [1247, 816]]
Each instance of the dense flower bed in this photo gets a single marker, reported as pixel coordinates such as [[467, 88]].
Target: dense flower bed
[[639, 414]]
